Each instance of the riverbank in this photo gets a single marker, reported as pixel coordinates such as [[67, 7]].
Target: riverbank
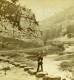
[[51, 61]]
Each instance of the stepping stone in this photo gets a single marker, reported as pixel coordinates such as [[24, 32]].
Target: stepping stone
[[16, 64], [27, 68], [32, 72], [41, 74], [22, 65], [12, 62], [1, 58], [47, 77], [9, 62], [11, 66], [6, 68], [6, 60]]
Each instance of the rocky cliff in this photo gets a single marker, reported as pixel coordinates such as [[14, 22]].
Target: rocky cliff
[[18, 22]]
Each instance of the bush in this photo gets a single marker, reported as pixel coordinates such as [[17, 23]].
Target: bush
[[70, 30], [59, 44], [66, 66], [70, 35]]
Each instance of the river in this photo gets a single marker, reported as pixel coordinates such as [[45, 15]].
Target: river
[[50, 65]]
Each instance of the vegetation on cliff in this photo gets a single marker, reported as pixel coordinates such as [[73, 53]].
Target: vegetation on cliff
[[18, 22]]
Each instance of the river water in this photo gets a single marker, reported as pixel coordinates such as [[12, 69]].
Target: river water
[[49, 65]]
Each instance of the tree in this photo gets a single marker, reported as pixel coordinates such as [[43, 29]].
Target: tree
[[2, 1], [14, 1], [70, 29]]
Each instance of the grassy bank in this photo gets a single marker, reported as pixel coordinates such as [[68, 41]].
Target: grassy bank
[[7, 43]]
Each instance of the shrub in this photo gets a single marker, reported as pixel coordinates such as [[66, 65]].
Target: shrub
[[66, 66]]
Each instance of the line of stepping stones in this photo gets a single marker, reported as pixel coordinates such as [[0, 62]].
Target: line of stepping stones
[[30, 70]]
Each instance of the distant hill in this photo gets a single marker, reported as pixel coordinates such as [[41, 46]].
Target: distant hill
[[60, 24]]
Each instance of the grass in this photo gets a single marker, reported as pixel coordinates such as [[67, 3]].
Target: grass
[[31, 54], [7, 43]]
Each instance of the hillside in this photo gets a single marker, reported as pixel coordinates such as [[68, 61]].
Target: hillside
[[18, 22], [60, 24]]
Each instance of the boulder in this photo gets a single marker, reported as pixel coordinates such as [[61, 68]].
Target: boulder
[[27, 68], [22, 65], [47, 77], [32, 71], [41, 74]]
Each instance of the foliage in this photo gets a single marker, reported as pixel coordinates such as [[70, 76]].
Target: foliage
[[20, 19], [14, 12], [15, 44], [70, 31], [59, 44], [57, 23], [66, 66], [11, 12], [14, 1]]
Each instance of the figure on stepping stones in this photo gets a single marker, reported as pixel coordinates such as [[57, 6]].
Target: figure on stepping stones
[[40, 63]]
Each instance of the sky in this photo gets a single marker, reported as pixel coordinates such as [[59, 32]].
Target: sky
[[46, 8]]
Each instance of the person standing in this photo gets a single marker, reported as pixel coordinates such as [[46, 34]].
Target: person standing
[[40, 63]]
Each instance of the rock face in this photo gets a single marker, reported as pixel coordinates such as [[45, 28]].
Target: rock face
[[47, 77], [18, 22]]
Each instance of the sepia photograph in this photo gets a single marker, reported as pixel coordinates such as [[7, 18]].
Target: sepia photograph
[[36, 39]]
